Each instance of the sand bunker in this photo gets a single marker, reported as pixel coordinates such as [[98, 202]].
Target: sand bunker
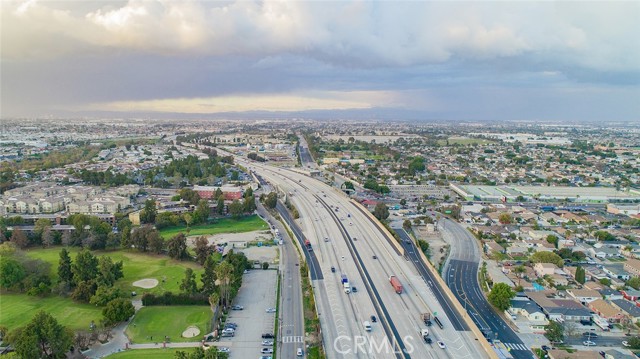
[[146, 283], [191, 332]]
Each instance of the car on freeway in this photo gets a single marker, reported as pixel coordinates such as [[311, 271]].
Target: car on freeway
[[354, 289], [333, 269], [267, 343], [266, 350], [326, 239], [374, 319], [271, 310], [342, 257], [237, 307], [267, 336], [355, 239], [588, 343], [428, 340], [441, 344], [375, 256]]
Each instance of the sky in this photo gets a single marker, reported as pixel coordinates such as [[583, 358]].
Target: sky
[[443, 60]]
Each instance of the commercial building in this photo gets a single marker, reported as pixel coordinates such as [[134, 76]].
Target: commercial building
[[545, 193]]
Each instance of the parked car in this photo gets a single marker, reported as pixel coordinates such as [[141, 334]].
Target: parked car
[[625, 343], [590, 334], [299, 352], [224, 350], [271, 310], [588, 343], [237, 307], [267, 336], [266, 350], [267, 343]]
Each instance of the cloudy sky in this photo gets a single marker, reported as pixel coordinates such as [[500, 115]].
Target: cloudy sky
[[421, 60]]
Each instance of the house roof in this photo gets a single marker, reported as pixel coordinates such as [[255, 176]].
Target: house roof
[[604, 308], [527, 305], [583, 292], [627, 306], [579, 354]]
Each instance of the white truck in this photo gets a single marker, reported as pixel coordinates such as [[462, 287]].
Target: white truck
[[424, 333]]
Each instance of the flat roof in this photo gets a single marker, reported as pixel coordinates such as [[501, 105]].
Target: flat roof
[[549, 191]]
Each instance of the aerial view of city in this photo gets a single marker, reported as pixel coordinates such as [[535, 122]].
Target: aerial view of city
[[319, 179]]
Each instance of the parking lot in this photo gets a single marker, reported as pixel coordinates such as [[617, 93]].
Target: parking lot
[[258, 292]]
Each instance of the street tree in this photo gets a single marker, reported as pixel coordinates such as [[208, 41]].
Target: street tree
[[381, 211], [202, 249], [501, 295], [554, 332], [272, 200], [580, 275]]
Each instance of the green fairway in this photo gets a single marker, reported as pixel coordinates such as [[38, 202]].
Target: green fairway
[[136, 266], [158, 321], [168, 353], [224, 225], [18, 309]]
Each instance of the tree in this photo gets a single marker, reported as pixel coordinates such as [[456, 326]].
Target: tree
[[189, 285], [406, 224], [381, 211], [519, 270], [190, 196], [272, 200], [604, 236], [105, 294], [236, 208], [634, 282], [42, 337], [108, 271], [634, 343], [554, 332], [501, 295], [148, 214], [505, 218], [209, 276], [403, 202], [201, 214], [248, 193], [177, 247], [220, 205], [265, 265], [553, 240], [85, 268], [547, 257], [348, 185], [202, 249], [155, 242], [12, 272], [224, 273], [118, 310], [41, 225], [19, 238], [64, 267], [580, 275], [249, 204], [84, 291], [188, 219]]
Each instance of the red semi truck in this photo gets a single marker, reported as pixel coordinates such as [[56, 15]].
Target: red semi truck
[[396, 284]]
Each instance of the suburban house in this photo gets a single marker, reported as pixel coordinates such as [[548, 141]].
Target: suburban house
[[531, 311], [579, 354], [543, 269], [630, 309], [584, 295], [606, 311], [560, 309], [630, 294], [632, 266]]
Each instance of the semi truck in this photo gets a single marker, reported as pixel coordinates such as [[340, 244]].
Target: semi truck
[[438, 322], [426, 318], [345, 283], [396, 284]]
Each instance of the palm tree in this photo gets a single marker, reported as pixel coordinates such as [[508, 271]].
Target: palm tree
[[519, 270], [224, 272]]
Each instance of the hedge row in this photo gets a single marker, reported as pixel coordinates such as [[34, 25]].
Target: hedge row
[[169, 298]]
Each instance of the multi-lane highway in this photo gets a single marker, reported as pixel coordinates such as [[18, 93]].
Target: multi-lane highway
[[344, 238], [461, 275]]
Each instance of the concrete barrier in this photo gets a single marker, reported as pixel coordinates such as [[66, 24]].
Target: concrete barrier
[[458, 307]]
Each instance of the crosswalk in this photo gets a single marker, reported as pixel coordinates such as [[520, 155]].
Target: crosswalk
[[516, 346], [292, 339]]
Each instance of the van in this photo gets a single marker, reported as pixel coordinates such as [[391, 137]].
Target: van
[[367, 326]]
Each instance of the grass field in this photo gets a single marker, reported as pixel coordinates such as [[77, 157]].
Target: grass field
[[17, 310], [136, 266], [158, 321], [168, 353], [224, 225]]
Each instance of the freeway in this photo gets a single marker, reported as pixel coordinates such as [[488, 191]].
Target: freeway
[[368, 261], [461, 275]]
